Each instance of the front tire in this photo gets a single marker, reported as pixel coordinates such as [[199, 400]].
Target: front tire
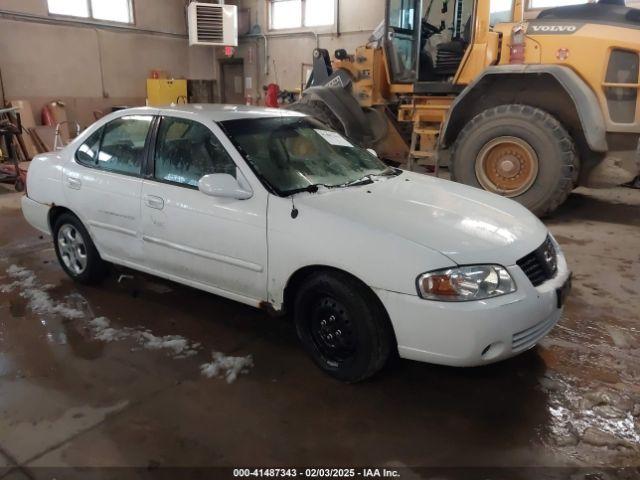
[[520, 152], [342, 326], [76, 252]]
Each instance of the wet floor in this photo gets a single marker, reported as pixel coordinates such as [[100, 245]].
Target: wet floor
[[129, 389]]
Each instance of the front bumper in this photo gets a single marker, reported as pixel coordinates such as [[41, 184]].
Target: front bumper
[[467, 334]]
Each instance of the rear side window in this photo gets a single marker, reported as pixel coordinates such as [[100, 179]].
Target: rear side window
[[122, 147], [118, 146], [187, 150]]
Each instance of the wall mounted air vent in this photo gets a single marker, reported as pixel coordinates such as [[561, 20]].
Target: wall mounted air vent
[[212, 24]]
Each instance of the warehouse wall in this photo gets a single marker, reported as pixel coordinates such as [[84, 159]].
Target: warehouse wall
[[357, 18], [94, 67], [290, 50]]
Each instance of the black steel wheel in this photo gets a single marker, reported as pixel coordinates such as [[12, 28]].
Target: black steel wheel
[[343, 326], [332, 331]]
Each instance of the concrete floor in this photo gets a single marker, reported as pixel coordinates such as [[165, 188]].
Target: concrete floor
[[69, 399]]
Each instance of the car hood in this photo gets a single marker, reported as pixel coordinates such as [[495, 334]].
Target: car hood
[[466, 224]]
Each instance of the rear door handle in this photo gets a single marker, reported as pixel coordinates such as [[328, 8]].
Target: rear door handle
[[152, 201], [73, 182]]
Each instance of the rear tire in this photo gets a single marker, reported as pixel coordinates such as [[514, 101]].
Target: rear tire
[[342, 326], [542, 163], [76, 252]]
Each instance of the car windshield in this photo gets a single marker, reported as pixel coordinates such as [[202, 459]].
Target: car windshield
[[294, 154]]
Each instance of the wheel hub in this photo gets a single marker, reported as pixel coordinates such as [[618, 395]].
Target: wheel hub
[[331, 330], [507, 166], [72, 249]]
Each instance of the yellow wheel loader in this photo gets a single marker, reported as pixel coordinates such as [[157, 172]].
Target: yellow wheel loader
[[528, 108]]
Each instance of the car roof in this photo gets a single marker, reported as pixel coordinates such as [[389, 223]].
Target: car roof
[[217, 112]]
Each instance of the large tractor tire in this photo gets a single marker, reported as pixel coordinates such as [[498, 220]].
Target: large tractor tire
[[520, 152]]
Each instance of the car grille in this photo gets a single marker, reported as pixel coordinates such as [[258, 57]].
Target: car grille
[[541, 264], [528, 338]]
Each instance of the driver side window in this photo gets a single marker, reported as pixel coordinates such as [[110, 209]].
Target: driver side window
[[187, 150]]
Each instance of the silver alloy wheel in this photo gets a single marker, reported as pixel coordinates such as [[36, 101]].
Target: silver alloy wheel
[[72, 249]]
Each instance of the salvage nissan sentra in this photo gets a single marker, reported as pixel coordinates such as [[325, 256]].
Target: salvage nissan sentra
[[273, 209]]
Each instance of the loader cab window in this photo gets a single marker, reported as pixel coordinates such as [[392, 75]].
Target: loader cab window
[[538, 4], [500, 11], [447, 27], [402, 16]]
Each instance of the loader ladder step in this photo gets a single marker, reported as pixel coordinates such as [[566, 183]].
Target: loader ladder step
[[427, 131], [419, 154], [424, 106]]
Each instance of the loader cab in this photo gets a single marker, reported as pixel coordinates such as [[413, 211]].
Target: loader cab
[[427, 40]]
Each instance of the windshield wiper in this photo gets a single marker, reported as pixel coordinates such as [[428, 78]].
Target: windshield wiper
[[313, 188], [368, 179], [389, 172]]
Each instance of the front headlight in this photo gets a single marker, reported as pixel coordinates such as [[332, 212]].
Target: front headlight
[[555, 244], [474, 282]]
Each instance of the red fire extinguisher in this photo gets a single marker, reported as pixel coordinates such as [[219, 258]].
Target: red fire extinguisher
[[271, 97]]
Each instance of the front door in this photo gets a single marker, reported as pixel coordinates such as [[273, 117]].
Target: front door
[[103, 185], [232, 82], [218, 244]]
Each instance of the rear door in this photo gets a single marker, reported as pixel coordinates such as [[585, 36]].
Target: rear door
[[103, 183], [218, 244]]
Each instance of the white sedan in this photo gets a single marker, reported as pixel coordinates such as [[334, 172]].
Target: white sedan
[[275, 210]]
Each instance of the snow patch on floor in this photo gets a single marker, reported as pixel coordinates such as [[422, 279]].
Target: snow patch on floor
[[226, 367], [38, 300], [180, 346], [175, 345], [23, 278], [101, 329]]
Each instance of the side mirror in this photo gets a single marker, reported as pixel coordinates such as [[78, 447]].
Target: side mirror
[[372, 152], [84, 157], [223, 185]]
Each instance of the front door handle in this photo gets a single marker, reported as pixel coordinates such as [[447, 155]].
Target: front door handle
[[73, 182], [152, 201]]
